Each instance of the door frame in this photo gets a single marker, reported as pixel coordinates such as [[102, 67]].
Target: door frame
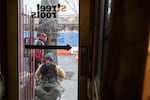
[[12, 45]]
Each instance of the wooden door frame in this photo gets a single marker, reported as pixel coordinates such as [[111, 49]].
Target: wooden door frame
[[12, 41], [12, 30], [3, 45]]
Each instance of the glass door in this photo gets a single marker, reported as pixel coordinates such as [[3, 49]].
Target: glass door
[[48, 26]]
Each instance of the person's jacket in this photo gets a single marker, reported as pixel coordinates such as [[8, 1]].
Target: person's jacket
[[59, 71], [39, 53]]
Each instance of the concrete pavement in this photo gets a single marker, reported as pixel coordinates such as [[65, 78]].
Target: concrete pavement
[[68, 63]]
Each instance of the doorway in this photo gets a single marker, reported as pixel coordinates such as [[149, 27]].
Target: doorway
[[59, 21]]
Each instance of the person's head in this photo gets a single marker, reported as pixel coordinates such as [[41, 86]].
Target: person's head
[[48, 59], [42, 37]]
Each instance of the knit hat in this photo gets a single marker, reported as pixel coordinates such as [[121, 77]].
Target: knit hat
[[49, 56]]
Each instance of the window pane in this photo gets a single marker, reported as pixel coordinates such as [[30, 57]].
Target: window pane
[[53, 24]]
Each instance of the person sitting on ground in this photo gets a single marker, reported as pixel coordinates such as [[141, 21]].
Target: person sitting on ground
[[51, 76]]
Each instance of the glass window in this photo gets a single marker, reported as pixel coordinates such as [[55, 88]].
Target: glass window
[[49, 26]]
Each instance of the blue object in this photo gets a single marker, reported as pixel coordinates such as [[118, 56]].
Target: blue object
[[27, 34], [71, 38]]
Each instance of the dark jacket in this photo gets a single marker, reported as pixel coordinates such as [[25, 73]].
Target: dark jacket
[[49, 74]]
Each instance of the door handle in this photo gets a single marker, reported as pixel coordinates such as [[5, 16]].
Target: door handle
[[84, 60]]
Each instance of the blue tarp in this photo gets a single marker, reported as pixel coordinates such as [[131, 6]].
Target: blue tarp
[[71, 38]]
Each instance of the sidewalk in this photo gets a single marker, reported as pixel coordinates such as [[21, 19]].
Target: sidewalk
[[70, 85]]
